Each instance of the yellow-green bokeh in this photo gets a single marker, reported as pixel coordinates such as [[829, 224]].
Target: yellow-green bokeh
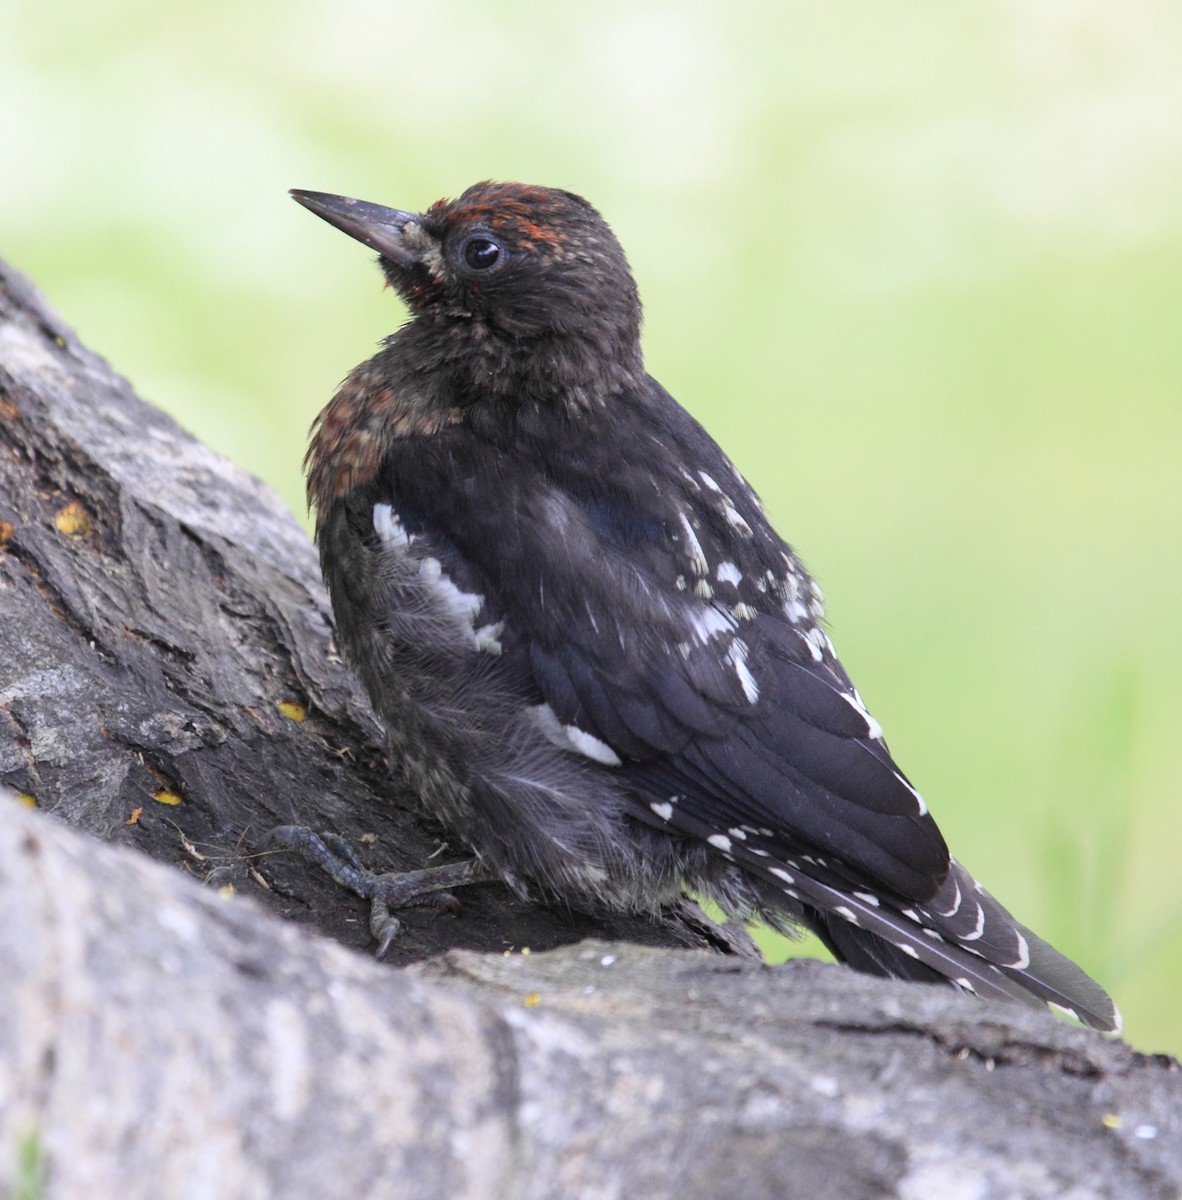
[[917, 265]]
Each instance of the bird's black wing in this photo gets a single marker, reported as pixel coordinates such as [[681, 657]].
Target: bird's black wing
[[677, 641]]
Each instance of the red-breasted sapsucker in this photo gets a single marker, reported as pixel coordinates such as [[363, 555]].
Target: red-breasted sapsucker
[[595, 659]]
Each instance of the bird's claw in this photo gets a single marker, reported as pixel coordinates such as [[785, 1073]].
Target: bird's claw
[[386, 891], [384, 927], [393, 891]]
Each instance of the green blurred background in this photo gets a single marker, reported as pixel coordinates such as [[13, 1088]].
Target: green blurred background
[[918, 266]]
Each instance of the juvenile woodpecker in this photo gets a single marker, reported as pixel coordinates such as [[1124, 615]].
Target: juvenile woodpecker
[[596, 661]]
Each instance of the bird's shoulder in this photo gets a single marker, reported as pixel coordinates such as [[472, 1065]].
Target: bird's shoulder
[[372, 415], [628, 505]]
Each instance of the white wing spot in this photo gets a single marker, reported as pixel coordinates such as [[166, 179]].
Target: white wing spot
[[848, 913], [780, 873], [940, 912], [664, 811], [737, 834], [709, 622], [729, 511], [980, 928], [571, 737], [818, 642], [874, 729], [743, 612], [967, 984], [867, 898], [488, 637], [388, 527], [591, 746], [797, 614], [693, 548], [737, 657], [923, 808], [462, 607], [909, 950], [1023, 959], [735, 517], [728, 573], [720, 842]]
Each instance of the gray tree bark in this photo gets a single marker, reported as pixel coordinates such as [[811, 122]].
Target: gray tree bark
[[162, 630], [167, 674]]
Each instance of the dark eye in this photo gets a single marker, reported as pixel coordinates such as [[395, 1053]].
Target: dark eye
[[481, 252]]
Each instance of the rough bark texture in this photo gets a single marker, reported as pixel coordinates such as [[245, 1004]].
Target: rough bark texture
[[159, 1039], [163, 1039], [159, 606]]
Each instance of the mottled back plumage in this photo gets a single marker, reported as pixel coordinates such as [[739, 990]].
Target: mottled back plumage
[[594, 658]]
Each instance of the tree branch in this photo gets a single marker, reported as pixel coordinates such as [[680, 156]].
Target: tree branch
[[162, 1038], [169, 680]]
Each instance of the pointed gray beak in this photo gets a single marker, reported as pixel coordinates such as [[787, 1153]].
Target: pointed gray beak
[[377, 227]]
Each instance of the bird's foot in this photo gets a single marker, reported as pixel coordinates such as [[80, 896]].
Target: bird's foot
[[388, 891]]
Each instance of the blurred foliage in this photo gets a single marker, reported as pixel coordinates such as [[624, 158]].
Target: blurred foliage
[[918, 267]]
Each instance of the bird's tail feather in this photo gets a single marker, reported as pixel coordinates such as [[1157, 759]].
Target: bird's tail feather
[[886, 942]]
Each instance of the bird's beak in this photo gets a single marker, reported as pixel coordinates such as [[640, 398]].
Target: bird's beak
[[377, 227]]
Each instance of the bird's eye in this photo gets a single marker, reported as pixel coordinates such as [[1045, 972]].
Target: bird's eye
[[481, 252]]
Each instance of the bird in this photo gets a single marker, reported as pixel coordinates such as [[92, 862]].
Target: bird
[[595, 660]]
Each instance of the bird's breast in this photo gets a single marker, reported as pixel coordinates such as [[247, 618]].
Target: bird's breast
[[353, 435]]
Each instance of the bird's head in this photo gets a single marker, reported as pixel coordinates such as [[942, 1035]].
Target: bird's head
[[505, 263]]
